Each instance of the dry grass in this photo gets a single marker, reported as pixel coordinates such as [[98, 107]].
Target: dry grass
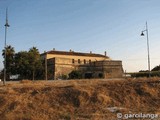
[[78, 99], [26, 81]]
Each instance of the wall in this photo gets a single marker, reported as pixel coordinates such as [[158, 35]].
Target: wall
[[63, 66], [77, 57], [104, 69]]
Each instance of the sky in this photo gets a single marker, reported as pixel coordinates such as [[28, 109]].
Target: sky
[[83, 26]]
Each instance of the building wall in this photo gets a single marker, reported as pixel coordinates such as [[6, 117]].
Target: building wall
[[82, 58], [113, 69], [103, 68], [63, 66]]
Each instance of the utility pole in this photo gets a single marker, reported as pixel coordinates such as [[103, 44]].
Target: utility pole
[[5, 45], [46, 67]]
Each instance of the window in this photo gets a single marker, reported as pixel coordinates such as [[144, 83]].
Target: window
[[84, 61], [89, 61], [79, 61], [72, 60]]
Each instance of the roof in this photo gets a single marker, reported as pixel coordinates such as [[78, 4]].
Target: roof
[[75, 53]]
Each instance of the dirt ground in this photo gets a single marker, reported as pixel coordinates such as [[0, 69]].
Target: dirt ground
[[79, 99]]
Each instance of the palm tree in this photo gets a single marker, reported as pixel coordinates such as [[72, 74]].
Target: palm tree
[[9, 51], [34, 50], [9, 59], [34, 60]]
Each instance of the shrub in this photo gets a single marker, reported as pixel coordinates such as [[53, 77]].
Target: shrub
[[75, 74]]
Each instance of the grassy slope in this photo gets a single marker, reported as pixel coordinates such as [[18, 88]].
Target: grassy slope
[[81, 99]]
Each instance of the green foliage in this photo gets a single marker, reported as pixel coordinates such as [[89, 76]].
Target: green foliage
[[22, 64], [63, 77], [155, 72], [27, 64], [35, 62], [75, 74], [146, 74], [10, 52], [157, 68], [140, 74]]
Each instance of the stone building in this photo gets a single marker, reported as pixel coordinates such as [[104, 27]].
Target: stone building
[[91, 65]]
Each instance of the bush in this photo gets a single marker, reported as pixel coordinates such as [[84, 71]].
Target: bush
[[146, 74], [64, 77], [75, 75]]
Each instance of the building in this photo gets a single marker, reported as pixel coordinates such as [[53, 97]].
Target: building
[[91, 65]]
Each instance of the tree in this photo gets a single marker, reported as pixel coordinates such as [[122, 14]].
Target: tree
[[35, 61], [22, 64], [26, 64], [10, 52], [29, 65], [157, 68]]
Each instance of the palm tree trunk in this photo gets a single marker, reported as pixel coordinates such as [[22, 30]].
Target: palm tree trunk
[[33, 75]]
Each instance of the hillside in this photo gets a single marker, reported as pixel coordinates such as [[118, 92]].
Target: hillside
[[78, 99]]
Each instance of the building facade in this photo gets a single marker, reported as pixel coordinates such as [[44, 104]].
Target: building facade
[[90, 65]]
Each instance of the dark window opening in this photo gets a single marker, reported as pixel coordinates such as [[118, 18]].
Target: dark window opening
[[79, 61], [72, 60], [100, 75], [88, 75]]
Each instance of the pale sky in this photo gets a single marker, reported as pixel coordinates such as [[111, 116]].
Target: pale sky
[[83, 26]]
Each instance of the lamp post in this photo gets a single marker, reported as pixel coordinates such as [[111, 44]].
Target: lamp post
[[142, 34], [46, 72], [5, 54]]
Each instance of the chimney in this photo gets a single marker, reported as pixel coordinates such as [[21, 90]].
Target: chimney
[[54, 49], [90, 52], [105, 53], [70, 50]]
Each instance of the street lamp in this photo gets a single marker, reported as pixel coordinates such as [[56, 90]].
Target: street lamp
[[142, 34], [5, 54]]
